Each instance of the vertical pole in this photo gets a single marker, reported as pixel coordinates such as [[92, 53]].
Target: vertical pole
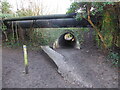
[[25, 59]]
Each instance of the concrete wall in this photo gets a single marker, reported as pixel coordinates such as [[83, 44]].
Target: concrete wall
[[47, 36]]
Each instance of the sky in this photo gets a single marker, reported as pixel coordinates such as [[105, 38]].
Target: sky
[[50, 6]]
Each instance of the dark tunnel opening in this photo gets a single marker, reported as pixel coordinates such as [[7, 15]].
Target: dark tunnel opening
[[67, 40]]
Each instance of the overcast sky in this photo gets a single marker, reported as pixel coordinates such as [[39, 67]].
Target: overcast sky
[[50, 6]]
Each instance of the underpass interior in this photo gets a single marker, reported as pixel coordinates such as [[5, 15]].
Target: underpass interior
[[67, 40]]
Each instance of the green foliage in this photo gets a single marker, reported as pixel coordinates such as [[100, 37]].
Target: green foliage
[[24, 12], [115, 58], [108, 28], [5, 10], [5, 7], [3, 27], [11, 44], [5, 13], [47, 36], [107, 24], [98, 7], [73, 7]]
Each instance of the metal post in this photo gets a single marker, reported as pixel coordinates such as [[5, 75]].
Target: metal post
[[25, 59]]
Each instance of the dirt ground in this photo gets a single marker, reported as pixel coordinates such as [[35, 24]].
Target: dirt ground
[[90, 64], [43, 73], [91, 67]]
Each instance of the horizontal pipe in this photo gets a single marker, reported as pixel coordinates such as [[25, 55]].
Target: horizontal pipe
[[50, 23], [55, 16]]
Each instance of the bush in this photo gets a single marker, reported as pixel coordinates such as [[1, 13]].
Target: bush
[[114, 57]]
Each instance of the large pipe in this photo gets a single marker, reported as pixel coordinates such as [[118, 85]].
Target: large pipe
[[50, 23], [55, 16]]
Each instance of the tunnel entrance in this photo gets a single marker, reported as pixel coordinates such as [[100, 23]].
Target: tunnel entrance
[[67, 40]]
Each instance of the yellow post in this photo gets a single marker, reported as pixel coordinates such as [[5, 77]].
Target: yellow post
[[25, 59]]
